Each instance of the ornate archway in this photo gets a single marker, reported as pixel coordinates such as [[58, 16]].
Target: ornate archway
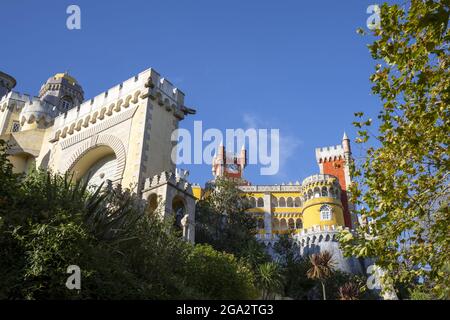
[[94, 150]]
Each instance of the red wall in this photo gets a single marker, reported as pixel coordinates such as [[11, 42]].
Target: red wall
[[336, 168]]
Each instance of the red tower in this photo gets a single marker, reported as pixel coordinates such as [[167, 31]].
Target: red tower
[[335, 161], [230, 165]]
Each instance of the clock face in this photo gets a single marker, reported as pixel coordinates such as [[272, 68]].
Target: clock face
[[233, 168]]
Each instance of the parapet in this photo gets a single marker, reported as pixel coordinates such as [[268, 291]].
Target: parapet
[[146, 84], [329, 153], [168, 177], [14, 100], [36, 110]]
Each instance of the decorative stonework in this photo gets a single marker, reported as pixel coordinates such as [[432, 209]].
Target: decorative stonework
[[100, 140]]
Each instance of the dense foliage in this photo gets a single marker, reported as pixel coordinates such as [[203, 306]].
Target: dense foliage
[[401, 189], [48, 223], [222, 221]]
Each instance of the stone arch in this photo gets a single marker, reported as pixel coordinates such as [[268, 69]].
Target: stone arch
[[260, 202], [252, 202], [275, 224], [179, 209], [289, 202], [283, 225], [152, 203], [107, 141], [291, 224], [298, 223]]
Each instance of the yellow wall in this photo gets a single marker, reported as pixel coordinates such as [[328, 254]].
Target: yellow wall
[[311, 212]]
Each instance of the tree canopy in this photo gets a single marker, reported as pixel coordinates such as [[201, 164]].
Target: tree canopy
[[401, 189]]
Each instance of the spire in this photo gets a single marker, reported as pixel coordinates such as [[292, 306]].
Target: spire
[[345, 137]]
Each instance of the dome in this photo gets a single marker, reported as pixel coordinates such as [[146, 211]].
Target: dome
[[65, 76], [7, 83], [63, 91]]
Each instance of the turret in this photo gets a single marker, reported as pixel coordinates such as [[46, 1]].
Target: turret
[[346, 147], [335, 160], [322, 204], [62, 91], [230, 165], [36, 114], [7, 83]]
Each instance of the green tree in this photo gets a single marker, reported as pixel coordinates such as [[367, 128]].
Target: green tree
[[322, 267], [294, 268], [401, 189], [219, 275], [222, 221], [269, 279]]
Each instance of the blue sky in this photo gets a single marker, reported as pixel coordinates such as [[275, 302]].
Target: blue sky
[[295, 65]]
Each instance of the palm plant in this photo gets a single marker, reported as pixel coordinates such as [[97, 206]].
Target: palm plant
[[322, 266], [108, 213], [349, 291], [270, 279]]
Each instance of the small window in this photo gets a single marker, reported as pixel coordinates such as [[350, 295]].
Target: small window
[[66, 103], [15, 126], [252, 202], [260, 202], [325, 213], [290, 202], [291, 224]]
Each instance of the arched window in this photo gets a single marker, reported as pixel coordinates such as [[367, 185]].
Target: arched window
[[152, 203], [299, 224], [179, 210], [275, 224], [283, 224], [252, 202], [324, 192], [260, 202], [310, 194], [66, 103], [290, 202], [332, 192], [261, 224], [282, 202], [338, 193], [325, 213], [274, 202], [316, 192], [297, 202], [291, 224]]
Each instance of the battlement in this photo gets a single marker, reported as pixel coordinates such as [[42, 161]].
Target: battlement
[[166, 177], [36, 109], [318, 178], [15, 99], [329, 153], [148, 80], [272, 188]]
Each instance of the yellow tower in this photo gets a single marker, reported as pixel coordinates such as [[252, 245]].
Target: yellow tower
[[322, 204]]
